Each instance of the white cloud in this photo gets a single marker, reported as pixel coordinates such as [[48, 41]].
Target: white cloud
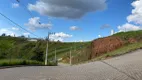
[[15, 5], [59, 36], [14, 28], [128, 27], [7, 32], [73, 28], [34, 23], [26, 34], [136, 15], [105, 26], [81, 41], [99, 36], [71, 9]]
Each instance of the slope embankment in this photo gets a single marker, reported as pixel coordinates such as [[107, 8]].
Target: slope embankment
[[104, 45]]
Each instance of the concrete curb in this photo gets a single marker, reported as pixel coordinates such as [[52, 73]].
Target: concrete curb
[[5, 67]]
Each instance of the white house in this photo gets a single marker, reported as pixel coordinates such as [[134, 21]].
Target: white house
[[32, 39], [112, 32]]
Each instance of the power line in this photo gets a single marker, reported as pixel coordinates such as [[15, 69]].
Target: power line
[[29, 12], [17, 24], [14, 26], [24, 7]]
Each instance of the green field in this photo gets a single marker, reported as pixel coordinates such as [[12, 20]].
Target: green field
[[127, 48], [123, 50], [12, 62], [16, 48]]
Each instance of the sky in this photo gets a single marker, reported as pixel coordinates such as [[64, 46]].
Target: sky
[[70, 20]]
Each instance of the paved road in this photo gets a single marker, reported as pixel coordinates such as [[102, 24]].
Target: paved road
[[126, 67]]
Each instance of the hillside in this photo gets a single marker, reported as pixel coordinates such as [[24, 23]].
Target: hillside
[[116, 44], [21, 48]]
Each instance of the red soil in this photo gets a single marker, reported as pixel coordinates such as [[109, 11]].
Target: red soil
[[104, 45], [132, 40]]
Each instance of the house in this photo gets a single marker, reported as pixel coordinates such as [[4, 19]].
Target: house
[[33, 39]]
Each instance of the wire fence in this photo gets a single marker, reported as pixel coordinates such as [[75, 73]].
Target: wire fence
[[13, 49], [78, 56]]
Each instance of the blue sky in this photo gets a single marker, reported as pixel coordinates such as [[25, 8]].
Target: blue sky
[[87, 27]]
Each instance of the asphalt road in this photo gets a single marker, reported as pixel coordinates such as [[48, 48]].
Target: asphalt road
[[126, 67]]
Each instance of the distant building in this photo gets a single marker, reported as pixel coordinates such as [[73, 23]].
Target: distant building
[[28, 36], [112, 32], [81, 41], [33, 39]]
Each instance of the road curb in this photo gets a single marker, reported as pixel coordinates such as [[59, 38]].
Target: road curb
[[5, 67]]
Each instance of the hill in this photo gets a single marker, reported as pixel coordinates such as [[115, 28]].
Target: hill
[[116, 44], [22, 48]]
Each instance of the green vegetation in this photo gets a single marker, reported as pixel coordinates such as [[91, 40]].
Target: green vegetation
[[20, 51], [123, 50], [128, 47], [12, 62], [79, 55], [19, 48], [131, 34]]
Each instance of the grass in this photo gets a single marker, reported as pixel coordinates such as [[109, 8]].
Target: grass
[[130, 34], [80, 54], [18, 62], [64, 48], [125, 36], [123, 50], [21, 48], [13, 62]]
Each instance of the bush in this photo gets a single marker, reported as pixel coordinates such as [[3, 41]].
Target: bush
[[24, 62], [18, 62], [52, 63]]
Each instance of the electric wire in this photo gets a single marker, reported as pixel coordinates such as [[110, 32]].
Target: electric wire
[[18, 25]]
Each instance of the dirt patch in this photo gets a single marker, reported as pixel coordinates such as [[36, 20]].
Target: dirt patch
[[132, 40], [104, 45]]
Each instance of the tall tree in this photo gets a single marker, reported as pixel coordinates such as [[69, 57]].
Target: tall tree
[[3, 34]]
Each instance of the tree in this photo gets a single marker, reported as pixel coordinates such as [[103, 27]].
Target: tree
[[37, 55], [3, 55], [22, 36], [46, 39], [9, 35], [3, 34]]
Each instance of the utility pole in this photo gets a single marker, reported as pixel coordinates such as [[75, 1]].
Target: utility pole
[[46, 56], [55, 55], [70, 57], [55, 58], [74, 46]]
